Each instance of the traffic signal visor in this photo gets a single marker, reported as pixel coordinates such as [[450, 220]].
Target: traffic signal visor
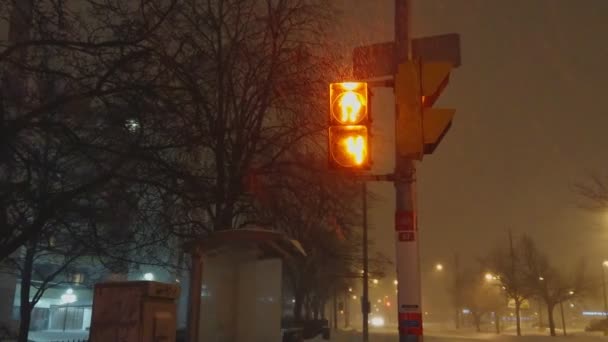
[[348, 102]]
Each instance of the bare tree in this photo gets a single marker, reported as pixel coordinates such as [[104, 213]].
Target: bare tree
[[68, 74], [508, 265], [548, 283], [481, 297]]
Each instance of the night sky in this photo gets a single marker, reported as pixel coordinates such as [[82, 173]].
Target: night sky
[[531, 119]]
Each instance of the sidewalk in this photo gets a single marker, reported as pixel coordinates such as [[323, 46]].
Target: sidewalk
[[58, 335]]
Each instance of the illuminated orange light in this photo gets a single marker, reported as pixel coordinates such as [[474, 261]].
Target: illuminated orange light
[[350, 85], [350, 104], [355, 146]]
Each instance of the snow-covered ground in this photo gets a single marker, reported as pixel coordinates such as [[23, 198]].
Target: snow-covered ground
[[460, 336]]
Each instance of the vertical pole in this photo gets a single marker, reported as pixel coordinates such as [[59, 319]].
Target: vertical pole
[[335, 318], [365, 297], [346, 311], [540, 315], [457, 290], [407, 254], [194, 298], [561, 309], [605, 297]]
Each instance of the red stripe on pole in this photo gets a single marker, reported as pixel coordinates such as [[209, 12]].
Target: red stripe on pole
[[410, 323]]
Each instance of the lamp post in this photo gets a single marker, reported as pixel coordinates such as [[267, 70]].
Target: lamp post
[[604, 265]]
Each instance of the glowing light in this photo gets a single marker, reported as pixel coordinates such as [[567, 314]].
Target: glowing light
[[388, 303], [350, 85], [350, 289], [571, 305], [348, 102], [396, 282], [377, 321], [379, 300], [439, 267], [489, 276], [571, 292], [541, 278], [605, 263], [355, 146], [149, 276], [68, 297], [354, 297], [375, 281]]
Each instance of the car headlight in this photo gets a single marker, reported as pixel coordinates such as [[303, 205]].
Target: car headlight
[[377, 321]]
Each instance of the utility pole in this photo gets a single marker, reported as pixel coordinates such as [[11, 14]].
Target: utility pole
[[407, 253], [604, 265], [365, 306]]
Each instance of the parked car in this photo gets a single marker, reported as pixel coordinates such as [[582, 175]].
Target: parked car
[[597, 325], [305, 329]]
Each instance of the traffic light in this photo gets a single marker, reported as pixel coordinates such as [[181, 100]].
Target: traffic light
[[349, 126], [420, 127]]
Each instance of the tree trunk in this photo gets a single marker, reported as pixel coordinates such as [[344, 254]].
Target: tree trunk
[[457, 319], [307, 308], [497, 322], [561, 309], [477, 319], [540, 315], [297, 306], [335, 310], [550, 318], [518, 316], [25, 310]]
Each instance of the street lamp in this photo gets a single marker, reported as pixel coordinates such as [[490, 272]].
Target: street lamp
[[439, 267], [489, 276], [375, 281]]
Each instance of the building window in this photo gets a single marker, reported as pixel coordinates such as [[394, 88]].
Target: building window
[[77, 278]]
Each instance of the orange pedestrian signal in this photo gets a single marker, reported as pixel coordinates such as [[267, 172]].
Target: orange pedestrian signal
[[349, 126], [348, 102]]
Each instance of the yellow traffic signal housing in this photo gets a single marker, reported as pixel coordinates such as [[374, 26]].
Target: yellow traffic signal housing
[[420, 127], [349, 126]]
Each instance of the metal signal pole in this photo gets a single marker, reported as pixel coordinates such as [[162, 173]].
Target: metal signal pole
[[365, 306], [407, 253]]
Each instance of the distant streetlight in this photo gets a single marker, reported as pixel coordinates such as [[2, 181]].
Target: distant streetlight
[[350, 289], [354, 297], [571, 292], [489, 276], [439, 267], [396, 282], [541, 278], [149, 276], [375, 281]]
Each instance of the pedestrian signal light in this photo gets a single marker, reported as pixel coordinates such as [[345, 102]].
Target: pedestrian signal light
[[348, 102], [349, 126]]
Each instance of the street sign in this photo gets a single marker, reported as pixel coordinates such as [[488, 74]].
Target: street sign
[[377, 60], [374, 60], [441, 48]]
